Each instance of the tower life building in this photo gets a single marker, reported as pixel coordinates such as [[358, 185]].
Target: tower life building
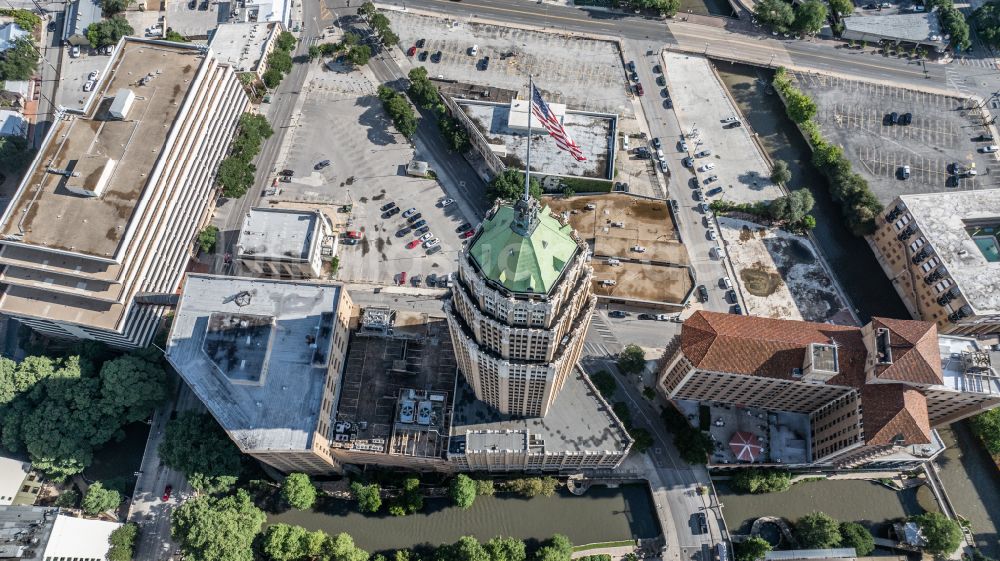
[[520, 306]]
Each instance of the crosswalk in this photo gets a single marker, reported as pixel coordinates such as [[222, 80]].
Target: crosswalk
[[607, 346], [980, 62]]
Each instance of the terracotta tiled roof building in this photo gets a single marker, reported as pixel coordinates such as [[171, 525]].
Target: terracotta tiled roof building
[[872, 394]]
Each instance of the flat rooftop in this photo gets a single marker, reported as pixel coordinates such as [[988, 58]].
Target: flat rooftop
[[966, 366], [277, 234], [592, 132], [918, 28], [241, 45], [257, 412], [578, 421], [963, 228], [618, 222], [118, 155], [391, 375]]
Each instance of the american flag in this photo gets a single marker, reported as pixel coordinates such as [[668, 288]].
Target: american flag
[[543, 113]]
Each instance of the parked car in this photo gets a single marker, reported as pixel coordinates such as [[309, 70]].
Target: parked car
[[166, 492], [419, 223], [984, 138], [702, 293], [688, 162], [710, 179], [88, 86], [647, 316], [656, 142], [729, 120], [422, 229], [713, 191], [408, 212], [385, 207], [703, 154], [436, 57], [74, 51], [904, 172], [414, 217], [423, 56], [467, 234], [465, 227], [989, 149], [617, 314], [425, 237], [411, 51], [638, 90], [734, 125], [663, 166], [707, 167], [631, 66], [402, 278], [447, 202], [421, 43], [682, 146], [322, 164], [403, 231], [355, 234], [94, 75], [712, 235], [905, 118], [289, 173], [433, 242], [413, 243]]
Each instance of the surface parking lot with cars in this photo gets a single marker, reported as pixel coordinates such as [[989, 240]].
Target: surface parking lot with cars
[[584, 74], [938, 138], [367, 171]]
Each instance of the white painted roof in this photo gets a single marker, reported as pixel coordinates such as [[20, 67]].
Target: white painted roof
[[12, 474], [79, 538]]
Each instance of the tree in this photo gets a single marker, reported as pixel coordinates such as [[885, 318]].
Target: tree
[[422, 90], [235, 176], [752, 480], [112, 7], [20, 61], [505, 549], [369, 496], [842, 7], [131, 387], [986, 18], [255, 125], [857, 536], [399, 110], [810, 16], [108, 32], [462, 491], [25, 19], [283, 542], [314, 52], [780, 173], [817, 530], [175, 37], [367, 10], [484, 487], [668, 7], [195, 445], [467, 548], [642, 440], [207, 239], [98, 499], [605, 383], [122, 541], [509, 186], [286, 41], [987, 427], [359, 55], [341, 548], [272, 77], [776, 13], [808, 222], [800, 107], [280, 60], [411, 500], [954, 24], [751, 549], [943, 534], [217, 529], [15, 151], [68, 498], [557, 548], [298, 491], [632, 359]]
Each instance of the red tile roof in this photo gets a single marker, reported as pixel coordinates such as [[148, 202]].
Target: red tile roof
[[768, 347], [894, 414], [916, 356]]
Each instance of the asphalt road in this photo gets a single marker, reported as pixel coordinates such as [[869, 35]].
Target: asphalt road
[[731, 41]]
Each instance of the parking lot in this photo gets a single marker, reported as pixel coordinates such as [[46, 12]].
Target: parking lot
[[194, 22], [74, 75], [367, 171], [941, 132], [584, 74]]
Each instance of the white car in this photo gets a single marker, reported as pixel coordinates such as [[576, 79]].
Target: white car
[[447, 202], [609, 282], [426, 237], [989, 149], [433, 242], [93, 75], [638, 249], [707, 167], [684, 146], [712, 235], [663, 166], [729, 120], [74, 52], [88, 86]]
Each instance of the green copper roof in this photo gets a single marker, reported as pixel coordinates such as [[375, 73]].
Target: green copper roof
[[520, 263]]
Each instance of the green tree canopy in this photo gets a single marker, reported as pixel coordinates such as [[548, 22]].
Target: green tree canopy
[[817, 530], [467, 548], [195, 445], [810, 16], [217, 529], [668, 7], [557, 548], [399, 110], [844, 7], [986, 18], [109, 31], [605, 383], [98, 499], [987, 427], [112, 7], [235, 176], [15, 151], [20, 61], [122, 542], [283, 542], [509, 186], [207, 238], [632, 359], [780, 173], [131, 387], [751, 549], [776, 13], [280, 60], [943, 534], [298, 491], [286, 41], [857, 536], [369, 496], [272, 77], [753, 480], [359, 55], [341, 548], [462, 491], [505, 549], [485, 487], [422, 90]]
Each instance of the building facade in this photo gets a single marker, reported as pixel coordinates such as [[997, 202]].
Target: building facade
[[942, 253], [872, 395], [103, 223], [519, 308]]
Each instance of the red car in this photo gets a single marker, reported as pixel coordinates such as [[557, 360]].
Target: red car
[[638, 89], [354, 234], [411, 51], [413, 244], [402, 278], [166, 493], [467, 234]]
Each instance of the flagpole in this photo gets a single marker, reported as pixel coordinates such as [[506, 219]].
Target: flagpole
[[527, 166]]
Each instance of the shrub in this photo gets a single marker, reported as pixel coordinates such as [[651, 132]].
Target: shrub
[[399, 110], [462, 491], [756, 481], [369, 496], [98, 499], [298, 491], [207, 239], [857, 536]]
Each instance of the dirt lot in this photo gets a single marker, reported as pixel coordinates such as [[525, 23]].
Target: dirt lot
[[853, 114], [645, 222]]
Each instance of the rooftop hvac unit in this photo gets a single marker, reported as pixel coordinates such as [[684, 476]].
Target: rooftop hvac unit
[[123, 102]]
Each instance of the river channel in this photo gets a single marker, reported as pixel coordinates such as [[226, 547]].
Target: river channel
[[601, 515]]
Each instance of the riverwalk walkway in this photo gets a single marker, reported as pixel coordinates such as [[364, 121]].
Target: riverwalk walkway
[[616, 553]]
